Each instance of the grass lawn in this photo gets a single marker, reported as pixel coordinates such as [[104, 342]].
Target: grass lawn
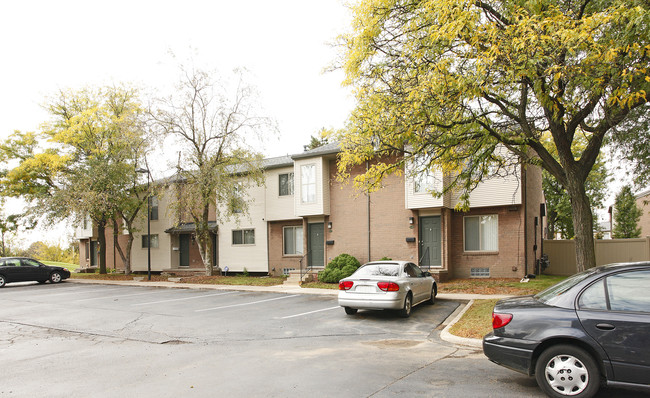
[[212, 280], [499, 286], [70, 267], [477, 320]]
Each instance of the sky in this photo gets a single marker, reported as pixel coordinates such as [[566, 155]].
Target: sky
[[285, 45]]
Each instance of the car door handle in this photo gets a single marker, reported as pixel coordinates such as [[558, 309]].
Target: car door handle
[[605, 326]]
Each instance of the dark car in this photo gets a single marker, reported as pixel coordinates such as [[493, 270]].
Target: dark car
[[590, 329], [21, 269]]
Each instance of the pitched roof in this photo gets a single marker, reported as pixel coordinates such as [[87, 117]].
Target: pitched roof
[[327, 149]]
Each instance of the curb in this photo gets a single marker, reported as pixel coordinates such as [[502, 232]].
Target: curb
[[464, 341]]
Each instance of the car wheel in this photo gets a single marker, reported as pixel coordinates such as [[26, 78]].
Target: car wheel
[[564, 370], [3, 281], [405, 312], [432, 299], [350, 311], [55, 277]]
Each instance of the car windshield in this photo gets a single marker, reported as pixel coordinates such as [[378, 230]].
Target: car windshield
[[548, 295], [371, 270]]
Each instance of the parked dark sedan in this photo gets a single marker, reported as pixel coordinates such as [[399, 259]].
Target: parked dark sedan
[[21, 269], [591, 328]]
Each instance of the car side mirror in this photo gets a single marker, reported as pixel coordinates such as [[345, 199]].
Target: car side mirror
[[426, 273]]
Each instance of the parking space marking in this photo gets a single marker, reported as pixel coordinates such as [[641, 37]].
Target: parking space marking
[[244, 304], [310, 312], [184, 298], [120, 296], [82, 291]]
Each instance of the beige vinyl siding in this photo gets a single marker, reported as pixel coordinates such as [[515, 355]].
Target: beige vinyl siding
[[161, 256], [419, 200], [252, 257], [320, 205], [279, 207]]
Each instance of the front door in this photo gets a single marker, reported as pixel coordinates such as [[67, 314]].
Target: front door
[[430, 249], [94, 253], [316, 244], [184, 250]]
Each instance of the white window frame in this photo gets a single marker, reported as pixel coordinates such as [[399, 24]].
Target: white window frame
[[290, 184], [243, 232], [298, 247], [307, 188], [481, 249]]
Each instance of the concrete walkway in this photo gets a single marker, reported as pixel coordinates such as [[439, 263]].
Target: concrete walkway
[[468, 299]]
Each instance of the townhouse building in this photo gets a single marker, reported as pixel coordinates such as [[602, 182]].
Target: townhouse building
[[303, 216]]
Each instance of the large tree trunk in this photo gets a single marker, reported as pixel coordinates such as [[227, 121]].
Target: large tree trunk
[[582, 225], [101, 232]]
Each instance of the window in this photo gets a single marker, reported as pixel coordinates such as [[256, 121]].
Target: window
[[308, 183], [237, 200], [424, 182], [243, 237], [593, 297], [292, 240], [479, 273], [482, 233], [286, 184], [628, 291], [145, 241], [153, 207]]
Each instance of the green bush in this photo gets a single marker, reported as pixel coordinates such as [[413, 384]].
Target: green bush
[[340, 267]]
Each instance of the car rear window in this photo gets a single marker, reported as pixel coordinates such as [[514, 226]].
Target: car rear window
[[370, 270], [549, 295]]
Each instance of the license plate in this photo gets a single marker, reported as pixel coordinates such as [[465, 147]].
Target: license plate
[[365, 289]]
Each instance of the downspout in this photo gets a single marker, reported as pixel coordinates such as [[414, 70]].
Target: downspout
[[368, 205], [525, 189]]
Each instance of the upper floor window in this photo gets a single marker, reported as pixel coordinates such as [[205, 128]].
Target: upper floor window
[[308, 183], [424, 182], [286, 184], [482, 233], [243, 237], [236, 202], [153, 207]]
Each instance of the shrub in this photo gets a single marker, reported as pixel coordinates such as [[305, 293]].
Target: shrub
[[340, 267], [385, 259], [245, 273]]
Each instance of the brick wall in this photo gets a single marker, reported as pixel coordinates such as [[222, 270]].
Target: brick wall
[[389, 220], [507, 262], [277, 259]]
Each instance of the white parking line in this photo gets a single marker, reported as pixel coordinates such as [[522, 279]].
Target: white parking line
[[120, 296], [243, 304], [184, 298], [81, 291], [310, 312]]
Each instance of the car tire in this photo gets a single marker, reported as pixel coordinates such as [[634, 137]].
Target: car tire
[[3, 281], [55, 277], [405, 312], [432, 299], [350, 311], [564, 370]]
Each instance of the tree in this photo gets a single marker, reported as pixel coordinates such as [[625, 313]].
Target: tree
[[87, 166], [216, 128], [559, 219], [8, 225], [446, 83], [321, 138], [626, 215]]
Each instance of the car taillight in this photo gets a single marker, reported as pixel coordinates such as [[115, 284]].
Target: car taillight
[[345, 285], [388, 286], [500, 320]]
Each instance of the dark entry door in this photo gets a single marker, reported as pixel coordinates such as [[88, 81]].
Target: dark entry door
[[94, 253], [184, 250], [430, 249], [316, 245]]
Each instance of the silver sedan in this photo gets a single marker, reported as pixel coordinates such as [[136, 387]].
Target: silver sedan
[[390, 285]]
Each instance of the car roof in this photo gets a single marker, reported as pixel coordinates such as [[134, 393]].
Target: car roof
[[398, 262]]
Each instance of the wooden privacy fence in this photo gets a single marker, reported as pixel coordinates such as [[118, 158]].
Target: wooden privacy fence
[[562, 254]]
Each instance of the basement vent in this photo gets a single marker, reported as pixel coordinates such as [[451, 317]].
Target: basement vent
[[286, 271], [479, 273]]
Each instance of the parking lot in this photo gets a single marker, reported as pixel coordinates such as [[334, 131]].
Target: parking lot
[[79, 340]]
